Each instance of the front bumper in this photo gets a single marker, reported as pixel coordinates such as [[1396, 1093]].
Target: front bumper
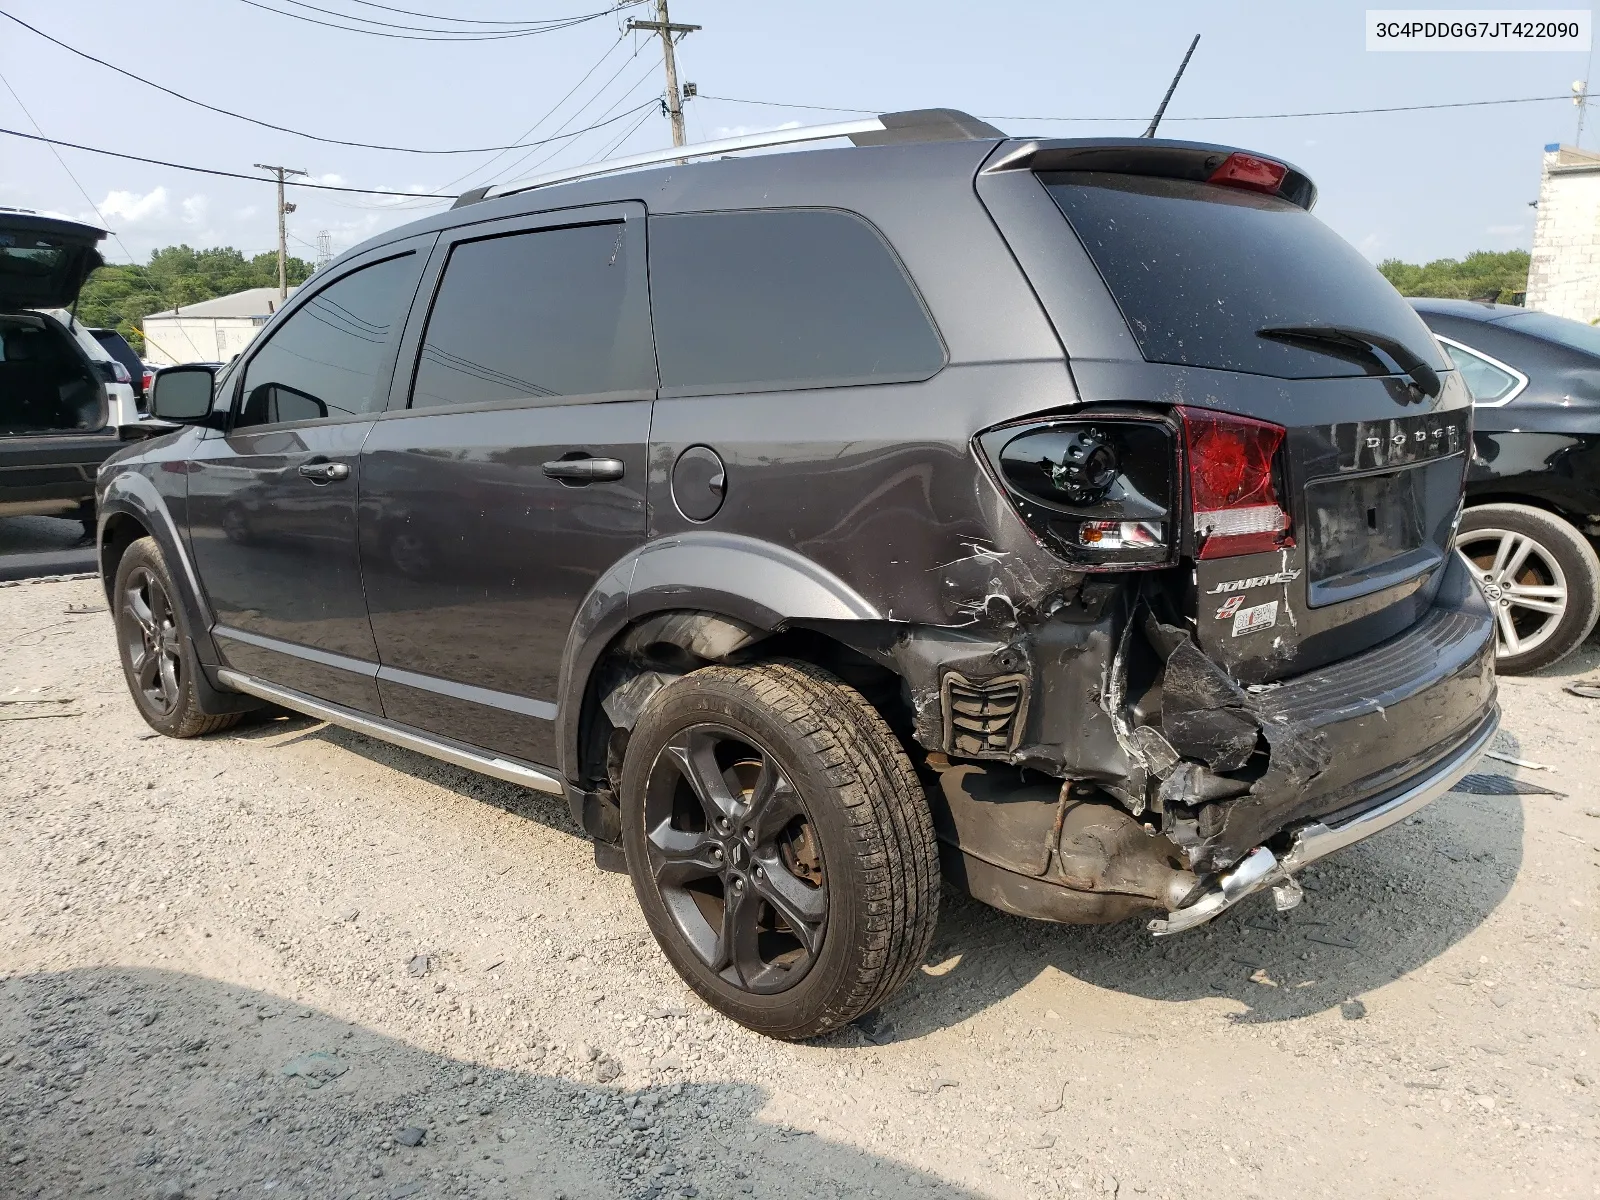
[[1262, 868]]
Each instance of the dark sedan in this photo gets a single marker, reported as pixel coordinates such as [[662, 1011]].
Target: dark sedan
[[1533, 489]]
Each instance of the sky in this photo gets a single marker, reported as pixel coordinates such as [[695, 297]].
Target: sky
[[1413, 185]]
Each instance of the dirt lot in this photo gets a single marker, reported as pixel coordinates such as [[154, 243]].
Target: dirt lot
[[260, 963]]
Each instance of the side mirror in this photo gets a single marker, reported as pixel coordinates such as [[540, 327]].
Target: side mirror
[[182, 394]]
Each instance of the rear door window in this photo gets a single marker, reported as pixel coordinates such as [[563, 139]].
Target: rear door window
[[785, 298], [1198, 270], [538, 316]]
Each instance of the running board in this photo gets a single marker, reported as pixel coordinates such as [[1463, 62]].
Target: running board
[[500, 768]]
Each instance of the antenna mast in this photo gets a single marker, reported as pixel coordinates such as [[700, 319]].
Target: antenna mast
[[1172, 87]]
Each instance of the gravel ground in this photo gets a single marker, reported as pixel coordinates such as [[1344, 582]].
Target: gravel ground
[[288, 961]]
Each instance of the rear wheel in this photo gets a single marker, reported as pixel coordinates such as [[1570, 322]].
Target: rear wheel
[[1541, 578], [153, 643], [780, 845]]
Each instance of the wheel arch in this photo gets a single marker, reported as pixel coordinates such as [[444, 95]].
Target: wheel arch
[[685, 602], [131, 507]]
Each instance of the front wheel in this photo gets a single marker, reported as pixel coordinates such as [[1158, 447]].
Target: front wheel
[[1541, 578], [780, 845], [157, 658]]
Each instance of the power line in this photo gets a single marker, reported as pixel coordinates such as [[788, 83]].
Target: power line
[[434, 35], [158, 162], [518, 145], [577, 112], [1335, 112], [406, 12], [616, 145], [82, 191], [539, 25], [611, 49]]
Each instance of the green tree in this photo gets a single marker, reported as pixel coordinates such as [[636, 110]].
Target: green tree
[[1483, 275], [120, 296]]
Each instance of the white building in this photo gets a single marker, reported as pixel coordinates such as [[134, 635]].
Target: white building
[[210, 330], [1564, 275]]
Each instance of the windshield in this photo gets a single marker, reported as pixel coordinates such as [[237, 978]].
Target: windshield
[[1575, 335], [1198, 270]]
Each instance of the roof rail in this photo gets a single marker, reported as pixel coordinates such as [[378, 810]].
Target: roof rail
[[917, 125]]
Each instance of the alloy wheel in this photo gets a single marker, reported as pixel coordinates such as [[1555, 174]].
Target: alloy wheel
[[151, 641], [1523, 583], [734, 857]]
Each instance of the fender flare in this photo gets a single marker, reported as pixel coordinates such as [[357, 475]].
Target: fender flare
[[752, 581], [132, 494]]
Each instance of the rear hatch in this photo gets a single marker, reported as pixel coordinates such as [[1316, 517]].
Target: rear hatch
[[44, 261], [1238, 303]]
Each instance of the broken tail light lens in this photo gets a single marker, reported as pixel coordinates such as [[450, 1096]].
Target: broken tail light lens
[[1232, 485], [1098, 491]]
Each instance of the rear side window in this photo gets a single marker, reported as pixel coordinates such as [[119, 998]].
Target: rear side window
[[1489, 383], [1199, 270], [796, 298], [545, 314], [326, 357]]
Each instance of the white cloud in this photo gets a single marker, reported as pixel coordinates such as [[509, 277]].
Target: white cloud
[[195, 209], [132, 208], [331, 179]]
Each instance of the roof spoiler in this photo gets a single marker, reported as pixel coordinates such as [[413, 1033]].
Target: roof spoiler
[[1164, 159]]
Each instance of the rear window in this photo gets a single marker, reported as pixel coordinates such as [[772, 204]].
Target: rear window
[[1574, 335], [788, 298], [1197, 270]]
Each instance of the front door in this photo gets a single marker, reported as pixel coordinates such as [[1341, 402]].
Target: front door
[[272, 498], [510, 474]]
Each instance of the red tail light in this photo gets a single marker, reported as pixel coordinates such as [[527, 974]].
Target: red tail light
[[1251, 173], [1231, 488]]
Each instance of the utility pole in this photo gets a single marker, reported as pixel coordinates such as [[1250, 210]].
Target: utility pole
[[283, 231], [664, 26], [1580, 97]]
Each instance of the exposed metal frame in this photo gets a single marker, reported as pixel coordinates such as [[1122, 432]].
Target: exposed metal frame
[[510, 770], [652, 158]]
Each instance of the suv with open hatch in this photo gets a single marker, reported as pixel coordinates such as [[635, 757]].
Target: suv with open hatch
[[66, 404], [1068, 521]]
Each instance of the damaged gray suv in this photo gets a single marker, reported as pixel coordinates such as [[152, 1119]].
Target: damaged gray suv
[[1068, 522]]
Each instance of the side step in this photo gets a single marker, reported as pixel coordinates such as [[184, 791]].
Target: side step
[[508, 769]]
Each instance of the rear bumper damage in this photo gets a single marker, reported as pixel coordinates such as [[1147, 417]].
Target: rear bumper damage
[[1096, 768], [1262, 868]]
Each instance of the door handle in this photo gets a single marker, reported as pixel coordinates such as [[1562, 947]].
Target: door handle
[[325, 472], [584, 470]]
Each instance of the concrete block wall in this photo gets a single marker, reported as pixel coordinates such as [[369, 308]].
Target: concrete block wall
[[1564, 275]]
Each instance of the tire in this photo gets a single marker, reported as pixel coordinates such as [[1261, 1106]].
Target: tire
[[1524, 557], [828, 849], [153, 644]]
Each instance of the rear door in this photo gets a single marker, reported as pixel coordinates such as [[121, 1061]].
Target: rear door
[[272, 499], [1243, 303], [510, 472]]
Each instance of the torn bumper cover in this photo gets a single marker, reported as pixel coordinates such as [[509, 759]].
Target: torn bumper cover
[[1191, 792], [1261, 868]]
